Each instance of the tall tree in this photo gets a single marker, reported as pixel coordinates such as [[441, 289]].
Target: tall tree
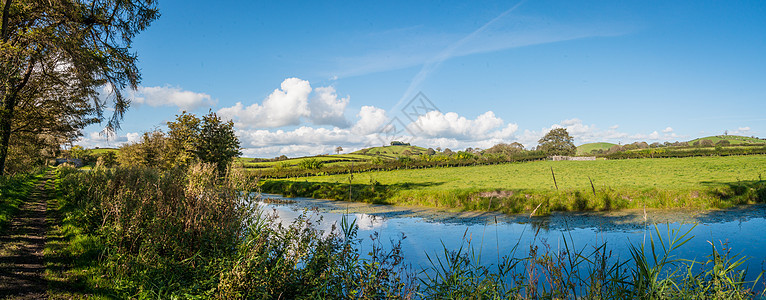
[[183, 138], [557, 142], [79, 45], [217, 142]]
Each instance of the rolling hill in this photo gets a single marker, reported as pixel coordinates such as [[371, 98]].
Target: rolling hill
[[733, 139], [585, 149]]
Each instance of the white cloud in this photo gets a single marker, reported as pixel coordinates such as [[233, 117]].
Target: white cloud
[[289, 106], [168, 96], [371, 120], [654, 136], [742, 130], [133, 137], [441, 130], [326, 109], [667, 130], [486, 125], [101, 139], [285, 106]]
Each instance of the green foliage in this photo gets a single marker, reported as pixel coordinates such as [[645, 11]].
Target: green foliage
[[182, 138], [78, 151], [678, 152], [505, 149], [297, 262], [557, 142], [57, 55], [310, 164], [209, 140], [151, 151], [107, 159], [184, 234], [217, 143], [164, 231]]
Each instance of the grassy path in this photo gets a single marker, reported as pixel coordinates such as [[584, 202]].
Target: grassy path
[[21, 248]]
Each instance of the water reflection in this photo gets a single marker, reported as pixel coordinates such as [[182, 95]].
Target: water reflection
[[493, 235]]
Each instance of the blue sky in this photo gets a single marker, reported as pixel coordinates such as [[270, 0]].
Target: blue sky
[[301, 78]]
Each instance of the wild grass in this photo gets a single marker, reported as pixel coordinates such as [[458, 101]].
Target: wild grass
[[696, 182], [653, 271], [14, 190], [145, 233]]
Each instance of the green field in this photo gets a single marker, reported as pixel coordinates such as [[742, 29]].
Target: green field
[[103, 150], [695, 182], [585, 149], [392, 152], [328, 160], [361, 156], [733, 139]]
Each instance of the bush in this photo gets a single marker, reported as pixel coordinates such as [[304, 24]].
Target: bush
[[310, 164]]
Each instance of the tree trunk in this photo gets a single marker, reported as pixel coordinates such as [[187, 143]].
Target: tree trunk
[[6, 119]]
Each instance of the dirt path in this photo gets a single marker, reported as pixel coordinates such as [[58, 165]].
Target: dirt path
[[21, 249]]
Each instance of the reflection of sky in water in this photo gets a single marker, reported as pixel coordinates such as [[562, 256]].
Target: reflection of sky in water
[[493, 240]]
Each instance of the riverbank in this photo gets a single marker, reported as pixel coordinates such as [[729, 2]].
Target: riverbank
[[539, 188]]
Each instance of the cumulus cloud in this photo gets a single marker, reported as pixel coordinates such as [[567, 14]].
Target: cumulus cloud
[[101, 139], [667, 130], [486, 125], [327, 109], [168, 96], [289, 105], [284, 106], [440, 130], [371, 120]]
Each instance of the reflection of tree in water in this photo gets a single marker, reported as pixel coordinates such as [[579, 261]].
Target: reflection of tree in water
[[540, 224]]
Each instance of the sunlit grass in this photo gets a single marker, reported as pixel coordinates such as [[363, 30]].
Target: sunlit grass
[[694, 182]]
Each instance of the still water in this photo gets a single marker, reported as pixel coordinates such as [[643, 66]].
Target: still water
[[493, 236]]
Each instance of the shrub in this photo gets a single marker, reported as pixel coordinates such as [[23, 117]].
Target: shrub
[[310, 164]]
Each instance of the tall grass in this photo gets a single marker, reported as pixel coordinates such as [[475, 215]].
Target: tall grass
[[652, 271], [186, 233]]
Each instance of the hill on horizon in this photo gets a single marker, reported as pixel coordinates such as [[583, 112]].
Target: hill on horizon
[[733, 139], [585, 149]]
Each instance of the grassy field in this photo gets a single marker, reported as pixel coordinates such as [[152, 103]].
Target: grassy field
[[697, 182], [392, 152], [587, 148], [733, 139], [361, 156], [328, 160], [103, 150]]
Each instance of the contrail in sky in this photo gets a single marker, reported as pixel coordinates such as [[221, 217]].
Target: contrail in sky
[[434, 63]]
